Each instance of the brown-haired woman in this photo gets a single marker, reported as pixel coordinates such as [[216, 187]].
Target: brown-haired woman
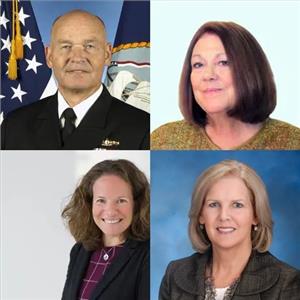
[[108, 215], [231, 229], [226, 95]]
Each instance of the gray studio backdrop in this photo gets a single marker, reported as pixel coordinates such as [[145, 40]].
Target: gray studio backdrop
[[173, 174], [35, 245]]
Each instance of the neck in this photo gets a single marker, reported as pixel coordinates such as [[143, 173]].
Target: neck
[[222, 124], [228, 132], [110, 241], [228, 265], [74, 97]]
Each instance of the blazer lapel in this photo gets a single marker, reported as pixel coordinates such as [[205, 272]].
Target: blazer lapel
[[46, 125], [191, 277], [93, 129], [259, 275], [114, 269]]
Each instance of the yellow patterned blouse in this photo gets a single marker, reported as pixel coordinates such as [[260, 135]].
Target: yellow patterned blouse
[[180, 135]]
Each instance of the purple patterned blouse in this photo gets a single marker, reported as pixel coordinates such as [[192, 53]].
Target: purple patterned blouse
[[99, 262]]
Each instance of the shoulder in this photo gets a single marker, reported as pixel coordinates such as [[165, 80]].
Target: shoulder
[[288, 274], [274, 124], [288, 284], [174, 135], [172, 127], [267, 274], [187, 265], [76, 249], [128, 109], [142, 247], [185, 261], [277, 134], [28, 110], [185, 275], [268, 259]]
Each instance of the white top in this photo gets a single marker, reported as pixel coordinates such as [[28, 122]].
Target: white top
[[80, 109], [220, 293]]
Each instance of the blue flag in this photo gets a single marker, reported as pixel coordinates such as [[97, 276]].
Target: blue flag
[[128, 76], [33, 74]]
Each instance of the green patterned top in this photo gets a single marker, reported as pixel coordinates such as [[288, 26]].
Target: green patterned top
[[180, 135]]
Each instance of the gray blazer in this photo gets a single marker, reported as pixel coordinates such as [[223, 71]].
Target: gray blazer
[[264, 278]]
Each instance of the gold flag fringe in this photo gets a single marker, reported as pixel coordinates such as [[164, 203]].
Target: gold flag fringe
[[17, 48]]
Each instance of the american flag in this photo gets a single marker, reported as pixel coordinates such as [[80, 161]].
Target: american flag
[[33, 73]]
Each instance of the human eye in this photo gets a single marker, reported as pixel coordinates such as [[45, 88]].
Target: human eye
[[197, 65], [90, 46], [100, 200], [213, 204], [65, 46], [122, 200], [223, 62], [238, 204]]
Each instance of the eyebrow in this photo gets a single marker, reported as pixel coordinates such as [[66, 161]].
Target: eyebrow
[[217, 55], [103, 197], [215, 200], [90, 41], [63, 41]]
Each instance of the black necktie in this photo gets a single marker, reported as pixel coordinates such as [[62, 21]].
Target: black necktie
[[69, 126]]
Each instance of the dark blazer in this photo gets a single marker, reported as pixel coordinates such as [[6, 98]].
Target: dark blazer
[[127, 278], [36, 126], [264, 278]]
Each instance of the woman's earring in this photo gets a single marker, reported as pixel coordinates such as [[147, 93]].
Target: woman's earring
[[201, 226], [255, 227]]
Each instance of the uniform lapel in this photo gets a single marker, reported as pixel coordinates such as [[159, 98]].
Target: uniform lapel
[[114, 269], [93, 129], [46, 126]]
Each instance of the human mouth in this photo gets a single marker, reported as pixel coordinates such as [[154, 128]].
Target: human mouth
[[76, 71], [225, 230], [111, 221], [210, 91]]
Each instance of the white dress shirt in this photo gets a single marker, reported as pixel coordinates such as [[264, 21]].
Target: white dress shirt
[[79, 109]]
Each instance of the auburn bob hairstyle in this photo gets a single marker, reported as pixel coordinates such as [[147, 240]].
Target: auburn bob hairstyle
[[252, 75]]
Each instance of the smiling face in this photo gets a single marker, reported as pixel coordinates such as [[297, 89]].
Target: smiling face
[[211, 76], [78, 53], [112, 208], [228, 214]]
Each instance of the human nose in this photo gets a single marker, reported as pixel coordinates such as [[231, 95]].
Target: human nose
[[224, 214], [110, 208], [209, 73], [77, 53]]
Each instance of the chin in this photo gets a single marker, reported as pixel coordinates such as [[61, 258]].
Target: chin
[[77, 88]]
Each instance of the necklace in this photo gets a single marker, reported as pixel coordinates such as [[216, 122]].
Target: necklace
[[210, 289], [107, 253]]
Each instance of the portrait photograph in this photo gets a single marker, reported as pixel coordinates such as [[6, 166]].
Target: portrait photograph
[[256, 88], [89, 63], [36, 240], [176, 189]]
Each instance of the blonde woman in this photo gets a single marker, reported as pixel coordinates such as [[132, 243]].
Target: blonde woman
[[231, 229]]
